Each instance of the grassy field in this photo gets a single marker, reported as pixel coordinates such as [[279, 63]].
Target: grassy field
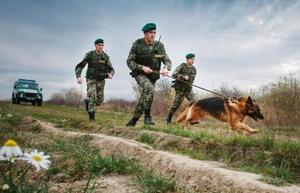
[[72, 159], [273, 153]]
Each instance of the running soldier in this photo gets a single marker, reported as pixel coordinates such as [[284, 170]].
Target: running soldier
[[185, 72], [99, 69], [144, 61]]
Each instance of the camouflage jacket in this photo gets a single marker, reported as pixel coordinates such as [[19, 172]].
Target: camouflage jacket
[[99, 66], [184, 70], [142, 54]]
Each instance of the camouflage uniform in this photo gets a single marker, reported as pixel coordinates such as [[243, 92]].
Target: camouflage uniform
[[151, 56], [183, 89], [95, 93], [99, 66]]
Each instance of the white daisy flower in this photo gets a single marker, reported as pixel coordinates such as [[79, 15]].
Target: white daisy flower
[[10, 115], [10, 149], [38, 159]]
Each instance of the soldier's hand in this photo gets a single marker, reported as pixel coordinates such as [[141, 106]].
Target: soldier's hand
[[164, 72], [186, 78], [110, 76], [79, 80], [147, 70]]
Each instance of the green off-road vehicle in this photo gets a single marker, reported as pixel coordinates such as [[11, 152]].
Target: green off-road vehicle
[[27, 91]]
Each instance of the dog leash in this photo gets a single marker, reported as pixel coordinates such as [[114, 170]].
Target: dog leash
[[207, 90], [186, 82]]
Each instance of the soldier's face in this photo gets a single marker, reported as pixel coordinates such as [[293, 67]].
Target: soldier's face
[[190, 61], [99, 47], [150, 35]]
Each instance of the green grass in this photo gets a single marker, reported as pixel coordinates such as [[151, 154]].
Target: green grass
[[54, 171], [88, 160], [146, 138], [154, 184], [79, 161], [279, 160], [264, 153]]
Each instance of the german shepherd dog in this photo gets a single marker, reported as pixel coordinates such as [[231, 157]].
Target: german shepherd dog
[[231, 110]]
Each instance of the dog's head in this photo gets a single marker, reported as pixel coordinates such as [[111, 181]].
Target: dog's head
[[252, 109]]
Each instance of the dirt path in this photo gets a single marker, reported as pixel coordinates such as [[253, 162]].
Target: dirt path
[[194, 175], [107, 184]]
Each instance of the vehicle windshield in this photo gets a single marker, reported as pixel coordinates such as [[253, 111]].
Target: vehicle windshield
[[25, 85]]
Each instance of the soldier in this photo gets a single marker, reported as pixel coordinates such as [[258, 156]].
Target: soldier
[[185, 72], [99, 68], [144, 60]]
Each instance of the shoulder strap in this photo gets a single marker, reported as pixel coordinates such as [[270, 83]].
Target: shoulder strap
[[90, 53], [138, 43]]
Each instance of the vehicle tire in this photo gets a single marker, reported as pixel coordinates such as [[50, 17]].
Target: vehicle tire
[[13, 100], [33, 103], [17, 100], [39, 103]]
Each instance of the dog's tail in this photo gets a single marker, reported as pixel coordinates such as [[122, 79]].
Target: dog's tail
[[183, 115]]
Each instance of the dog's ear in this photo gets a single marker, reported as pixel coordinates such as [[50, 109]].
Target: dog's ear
[[250, 101]]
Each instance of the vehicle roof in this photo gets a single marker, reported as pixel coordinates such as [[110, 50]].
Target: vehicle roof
[[26, 80]]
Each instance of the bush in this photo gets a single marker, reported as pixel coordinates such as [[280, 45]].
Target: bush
[[280, 102], [68, 97], [118, 104]]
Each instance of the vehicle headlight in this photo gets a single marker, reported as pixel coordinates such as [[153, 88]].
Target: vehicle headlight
[[22, 94]]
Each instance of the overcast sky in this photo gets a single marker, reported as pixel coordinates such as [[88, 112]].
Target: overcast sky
[[238, 43]]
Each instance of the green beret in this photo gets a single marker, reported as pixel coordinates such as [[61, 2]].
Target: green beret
[[190, 55], [98, 41], [148, 27]]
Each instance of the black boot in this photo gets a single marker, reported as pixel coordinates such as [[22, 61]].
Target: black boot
[[87, 101], [92, 116], [169, 119], [132, 122], [148, 118]]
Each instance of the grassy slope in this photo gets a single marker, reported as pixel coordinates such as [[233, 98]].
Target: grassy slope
[[270, 153], [72, 159]]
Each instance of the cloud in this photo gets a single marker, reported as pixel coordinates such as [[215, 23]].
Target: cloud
[[242, 43], [291, 66]]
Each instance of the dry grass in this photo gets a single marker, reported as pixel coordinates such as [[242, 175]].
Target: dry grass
[[281, 103]]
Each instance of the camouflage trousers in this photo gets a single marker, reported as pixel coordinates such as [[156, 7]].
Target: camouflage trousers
[[180, 94], [146, 98], [95, 93]]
